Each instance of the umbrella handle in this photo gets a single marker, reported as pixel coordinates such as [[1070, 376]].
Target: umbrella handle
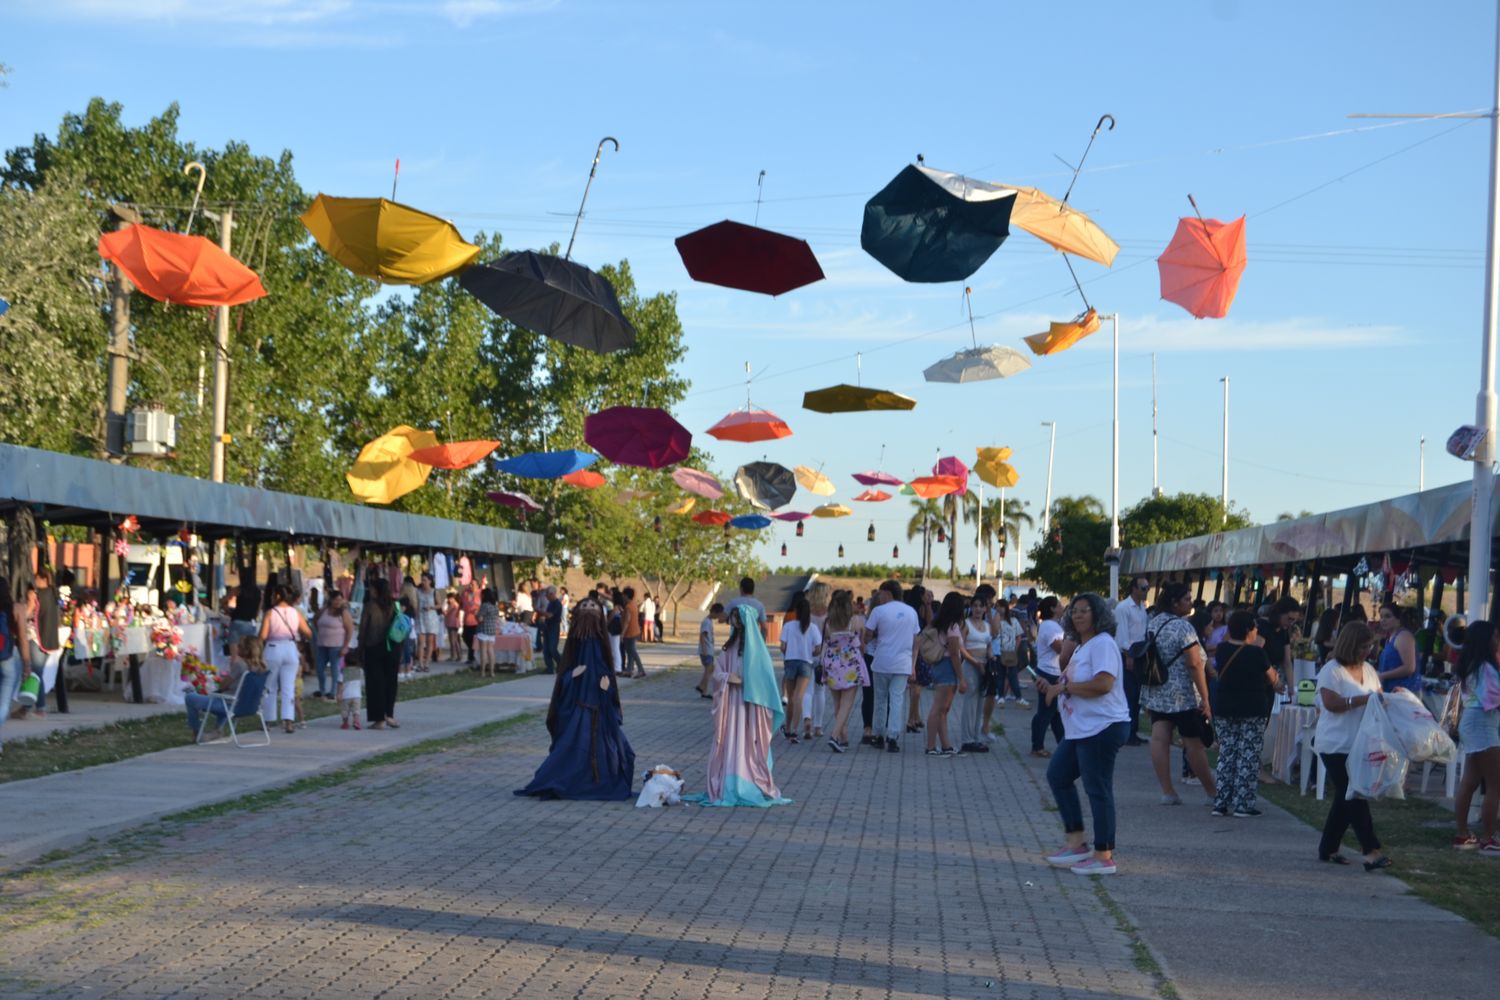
[[198, 193], [759, 190], [1094, 135], [592, 170]]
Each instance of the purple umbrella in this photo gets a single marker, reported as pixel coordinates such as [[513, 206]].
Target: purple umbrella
[[876, 479], [518, 500]]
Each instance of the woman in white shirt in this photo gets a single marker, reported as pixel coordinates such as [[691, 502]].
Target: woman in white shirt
[[1345, 686], [1049, 644], [800, 640], [1096, 721]]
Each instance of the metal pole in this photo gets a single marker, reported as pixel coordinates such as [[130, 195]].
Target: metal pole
[[1422, 464], [1047, 505], [1224, 459], [1155, 457], [1114, 468], [1004, 540], [979, 538], [1485, 402], [221, 364]]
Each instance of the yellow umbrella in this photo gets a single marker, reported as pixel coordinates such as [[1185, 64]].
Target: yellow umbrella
[[685, 506], [832, 510], [1061, 226], [383, 471], [814, 481], [993, 468], [1061, 336], [378, 238]]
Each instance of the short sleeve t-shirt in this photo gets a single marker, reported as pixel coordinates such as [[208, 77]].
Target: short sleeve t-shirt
[[895, 626], [706, 636], [799, 644], [1046, 657], [1335, 732], [1085, 717], [1244, 692], [754, 602], [1174, 637]]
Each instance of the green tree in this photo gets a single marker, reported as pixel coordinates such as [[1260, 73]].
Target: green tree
[[1071, 558], [1174, 516]]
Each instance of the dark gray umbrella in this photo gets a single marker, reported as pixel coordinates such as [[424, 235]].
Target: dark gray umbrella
[[932, 225], [765, 484], [553, 297]]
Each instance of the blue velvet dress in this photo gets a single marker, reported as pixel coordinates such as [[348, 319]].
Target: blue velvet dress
[[590, 757]]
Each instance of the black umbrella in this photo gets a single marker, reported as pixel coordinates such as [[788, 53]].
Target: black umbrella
[[931, 225], [765, 484], [554, 297]]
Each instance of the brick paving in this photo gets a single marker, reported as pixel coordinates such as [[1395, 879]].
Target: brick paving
[[427, 878]]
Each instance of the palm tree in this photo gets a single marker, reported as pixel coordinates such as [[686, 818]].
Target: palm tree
[[1016, 515], [927, 517]]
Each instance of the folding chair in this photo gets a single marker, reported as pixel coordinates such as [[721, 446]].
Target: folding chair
[[242, 703], [1451, 772]]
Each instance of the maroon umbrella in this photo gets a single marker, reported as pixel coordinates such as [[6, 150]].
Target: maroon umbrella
[[637, 435], [516, 499], [749, 258], [876, 479]]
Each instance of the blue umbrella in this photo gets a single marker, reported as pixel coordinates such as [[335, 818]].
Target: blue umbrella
[[750, 522], [547, 464], [4, 307]]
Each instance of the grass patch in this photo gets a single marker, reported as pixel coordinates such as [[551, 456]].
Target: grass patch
[[1417, 834], [74, 749], [1140, 955]]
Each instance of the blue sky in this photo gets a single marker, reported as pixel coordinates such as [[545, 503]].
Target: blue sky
[[1355, 333]]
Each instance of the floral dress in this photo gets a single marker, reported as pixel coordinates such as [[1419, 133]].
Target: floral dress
[[843, 662]]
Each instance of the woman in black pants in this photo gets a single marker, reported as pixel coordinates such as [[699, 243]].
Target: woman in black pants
[[1345, 686], [380, 657]]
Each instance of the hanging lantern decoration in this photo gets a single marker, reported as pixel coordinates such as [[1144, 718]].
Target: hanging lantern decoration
[[591, 520], [841, 551], [656, 524], [942, 536], [895, 552], [870, 534], [783, 550], [726, 546], [799, 529], [676, 547]]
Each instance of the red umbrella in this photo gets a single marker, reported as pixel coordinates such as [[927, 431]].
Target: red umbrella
[[953, 467], [637, 435], [750, 424], [735, 255], [712, 517], [515, 499], [1201, 267], [454, 454], [873, 496], [876, 479], [586, 479], [697, 482], [187, 270]]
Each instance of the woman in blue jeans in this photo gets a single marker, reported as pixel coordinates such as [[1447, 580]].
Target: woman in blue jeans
[[1096, 721], [12, 641]]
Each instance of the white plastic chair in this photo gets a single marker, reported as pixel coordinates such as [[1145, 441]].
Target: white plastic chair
[[1451, 772]]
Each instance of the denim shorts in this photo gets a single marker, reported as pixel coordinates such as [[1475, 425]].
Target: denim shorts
[[706, 660], [943, 674], [1478, 730], [797, 669]]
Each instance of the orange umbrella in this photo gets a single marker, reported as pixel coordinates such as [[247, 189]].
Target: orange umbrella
[[187, 270], [1061, 336], [711, 517], [1061, 226], [586, 479], [683, 507], [928, 487], [750, 424], [873, 496], [454, 454], [1201, 267]]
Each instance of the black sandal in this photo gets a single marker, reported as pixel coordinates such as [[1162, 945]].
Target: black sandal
[[1378, 863], [1334, 859]]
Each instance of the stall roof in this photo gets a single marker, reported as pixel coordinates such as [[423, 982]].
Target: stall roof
[[66, 489], [1433, 523]]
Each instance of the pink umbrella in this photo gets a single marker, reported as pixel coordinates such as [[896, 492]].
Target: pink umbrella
[[637, 435], [873, 496], [697, 482], [876, 479], [518, 500], [791, 515], [951, 466]]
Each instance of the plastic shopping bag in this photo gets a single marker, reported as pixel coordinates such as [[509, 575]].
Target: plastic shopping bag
[[1420, 735], [1377, 762]]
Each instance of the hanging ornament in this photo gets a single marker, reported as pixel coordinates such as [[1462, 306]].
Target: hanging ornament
[[726, 546], [841, 551], [783, 550], [942, 536], [895, 552], [656, 524], [799, 529], [870, 535]]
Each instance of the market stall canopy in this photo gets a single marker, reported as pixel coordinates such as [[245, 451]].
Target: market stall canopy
[[713, 518], [832, 510], [586, 479], [750, 425], [697, 482], [637, 435], [454, 454], [873, 496], [547, 464], [385, 471], [750, 522], [386, 240], [765, 484], [172, 267], [515, 498], [813, 481], [875, 478], [978, 364], [1061, 226], [1201, 267], [845, 398], [954, 469], [931, 225], [684, 507], [1061, 336], [993, 467], [748, 258], [930, 487], [552, 297]]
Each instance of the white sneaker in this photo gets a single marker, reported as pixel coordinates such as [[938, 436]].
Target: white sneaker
[[1022, 703], [991, 738]]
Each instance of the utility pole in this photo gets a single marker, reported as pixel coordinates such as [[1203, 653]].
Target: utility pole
[[1422, 464], [1224, 459], [221, 360], [119, 346], [1155, 460], [1047, 505]]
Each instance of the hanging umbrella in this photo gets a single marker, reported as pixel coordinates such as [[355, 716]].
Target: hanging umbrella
[[683, 507], [955, 469], [873, 496], [697, 482], [712, 517], [929, 487], [832, 510], [931, 225], [4, 307], [846, 398], [384, 469], [993, 467], [454, 454], [978, 363], [749, 425], [637, 435], [515, 498], [626, 496], [187, 270], [586, 479], [1201, 267], [813, 481], [1061, 336], [552, 297], [547, 464], [750, 522], [792, 515], [1061, 226], [873, 478], [386, 240], [765, 484], [749, 258], [906, 490]]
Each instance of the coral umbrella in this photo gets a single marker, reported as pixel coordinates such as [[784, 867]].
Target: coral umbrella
[[832, 510], [750, 522], [384, 470], [929, 487], [873, 496], [697, 482], [515, 498], [637, 435], [765, 484], [813, 481], [751, 259], [993, 467], [792, 515], [454, 454], [386, 240], [547, 464], [172, 267], [586, 479], [954, 468], [1201, 267], [874, 478], [932, 225], [685, 506], [1061, 336], [749, 425], [712, 518]]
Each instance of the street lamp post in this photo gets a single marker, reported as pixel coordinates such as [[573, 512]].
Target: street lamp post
[[1047, 505], [1484, 405], [1113, 556], [1224, 457]]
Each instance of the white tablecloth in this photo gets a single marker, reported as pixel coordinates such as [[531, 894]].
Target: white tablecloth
[[161, 681], [1283, 740], [207, 640]]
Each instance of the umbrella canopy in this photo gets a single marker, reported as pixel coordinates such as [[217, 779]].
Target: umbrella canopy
[[454, 454], [586, 479], [832, 510], [978, 364], [765, 484], [684, 507], [187, 270], [792, 515], [552, 297], [1201, 267], [873, 496], [547, 464], [1061, 226], [515, 498], [697, 482], [813, 481], [1061, 336], [751, 259], [637, 435], [993, 467], [386, 240], [750, 522], [873, 478], [931, 225], [712, 517], [384, 469], [749, 425], [844, 398], [928, 487], [955, 469]]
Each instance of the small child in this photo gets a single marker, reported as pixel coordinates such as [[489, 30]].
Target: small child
[[708, 646], [351, 688], [453, 617], [409, 647], [489, 628]]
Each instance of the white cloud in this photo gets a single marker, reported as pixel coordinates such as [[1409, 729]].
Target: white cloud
[[280, 13], [1152, 333]]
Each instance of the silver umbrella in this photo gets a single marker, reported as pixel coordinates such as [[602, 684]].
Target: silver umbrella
[[977, 364]]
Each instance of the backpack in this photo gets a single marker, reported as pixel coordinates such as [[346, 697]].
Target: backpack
[[932, 646], [1154, 671], [399, 631], [617, 622]]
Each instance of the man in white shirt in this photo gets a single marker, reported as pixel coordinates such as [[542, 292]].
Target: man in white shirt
[[892, 626], [1131, 617], [747, 596]]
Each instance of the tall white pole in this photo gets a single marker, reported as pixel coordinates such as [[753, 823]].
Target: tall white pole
[[1047, 505], [979, 538], [1224, 456], [1422, 464], [221, 364], [1484, 405], [1114, 468], [1002, 530], [1155, 459]]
